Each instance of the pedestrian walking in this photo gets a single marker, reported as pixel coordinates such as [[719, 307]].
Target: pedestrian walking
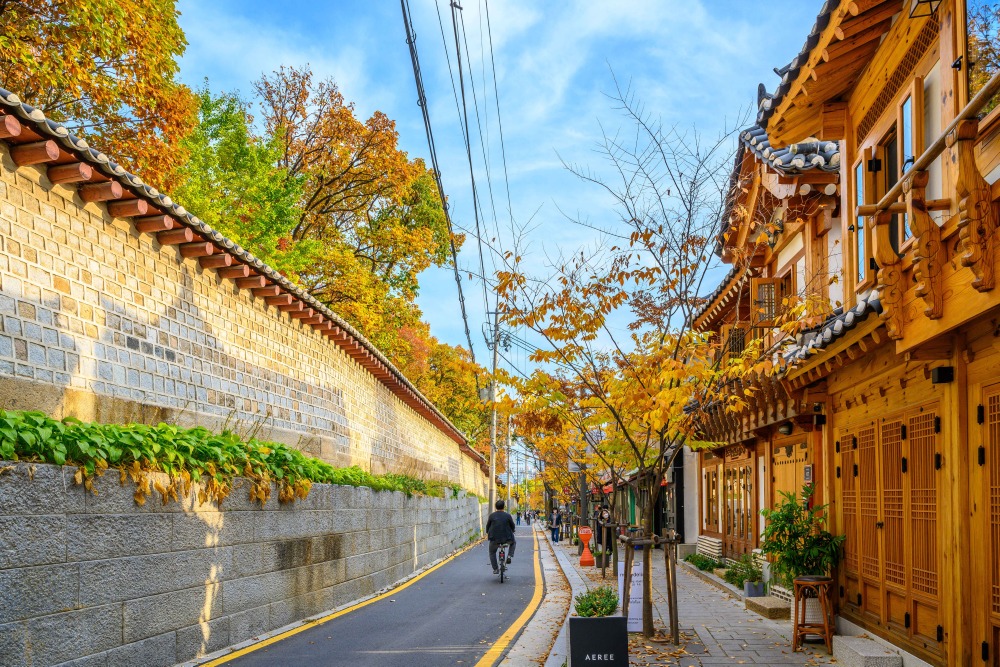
[[555, 525], [527, 517], [519, 517]]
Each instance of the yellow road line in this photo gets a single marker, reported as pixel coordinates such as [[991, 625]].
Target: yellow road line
[[320, 621], [507, 637]]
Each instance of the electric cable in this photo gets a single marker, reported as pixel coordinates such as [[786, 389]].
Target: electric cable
[[411, 40]]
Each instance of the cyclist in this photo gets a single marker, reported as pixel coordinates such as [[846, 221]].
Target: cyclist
[[500, 529]]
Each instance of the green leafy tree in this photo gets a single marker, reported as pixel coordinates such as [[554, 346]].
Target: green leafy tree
[[233, 182]]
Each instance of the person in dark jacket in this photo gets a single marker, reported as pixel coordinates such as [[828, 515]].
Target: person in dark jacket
[[500, 529]]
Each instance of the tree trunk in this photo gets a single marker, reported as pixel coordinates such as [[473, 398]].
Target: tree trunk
[[653, 485]]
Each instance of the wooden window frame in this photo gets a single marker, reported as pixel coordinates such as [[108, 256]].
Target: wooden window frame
[[759, 319], [962, 27], [915, 95]]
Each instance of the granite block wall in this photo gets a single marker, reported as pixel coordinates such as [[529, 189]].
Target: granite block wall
[[97, 580], [103, 323]]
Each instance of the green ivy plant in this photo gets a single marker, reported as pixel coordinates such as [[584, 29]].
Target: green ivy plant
[[186, 457], [602, 601], [795, 539]]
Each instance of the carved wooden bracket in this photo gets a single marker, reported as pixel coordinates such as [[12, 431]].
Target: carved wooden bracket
[[890, 277], [927, 256], [977, 216]]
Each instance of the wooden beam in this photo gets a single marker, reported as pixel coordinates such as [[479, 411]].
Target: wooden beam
[[197, 249], [866, 36], [233, 272], [100, 191], [36, 152], [154, 223], [251, 282], [176, 236], [269, 290], [128, 208], [279, 300], [10, 127], [326, 325], [74, 172], [293, 306], [850, 27], [217, 261], [303, 314], [861, 6], [315, 319]]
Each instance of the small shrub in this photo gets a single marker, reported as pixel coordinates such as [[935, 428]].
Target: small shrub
[[744, 569], [601, 601], [703, 562]]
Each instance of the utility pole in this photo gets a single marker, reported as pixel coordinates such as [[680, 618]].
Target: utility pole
[[493, 419], [509, 466]]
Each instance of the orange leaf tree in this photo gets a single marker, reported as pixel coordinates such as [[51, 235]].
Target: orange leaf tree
[[107, 68]]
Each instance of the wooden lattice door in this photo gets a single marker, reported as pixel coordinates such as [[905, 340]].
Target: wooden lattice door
[[847, 475], [889, 508], [988, 459], [869, 599]]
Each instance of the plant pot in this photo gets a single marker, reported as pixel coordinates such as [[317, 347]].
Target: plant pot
[[753, 589], [601, 639]]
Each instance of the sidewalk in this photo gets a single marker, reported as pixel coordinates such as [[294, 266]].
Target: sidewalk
[[716, 629]]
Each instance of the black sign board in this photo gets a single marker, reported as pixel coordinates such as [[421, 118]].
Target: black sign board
[[601, 640]]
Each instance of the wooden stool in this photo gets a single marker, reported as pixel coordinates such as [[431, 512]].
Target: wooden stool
[[819, 588]]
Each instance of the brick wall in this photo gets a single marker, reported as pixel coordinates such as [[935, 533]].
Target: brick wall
[[99, 580], [99, 322]]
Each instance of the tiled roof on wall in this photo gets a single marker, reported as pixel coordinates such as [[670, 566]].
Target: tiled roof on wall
[[61, 149]]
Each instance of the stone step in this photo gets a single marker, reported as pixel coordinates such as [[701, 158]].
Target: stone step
[[863, 651], [769, 607]]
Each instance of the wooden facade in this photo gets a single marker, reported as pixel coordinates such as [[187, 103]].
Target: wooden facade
[[892, 405]]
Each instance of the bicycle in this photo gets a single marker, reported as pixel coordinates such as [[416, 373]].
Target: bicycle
[[502, 559]]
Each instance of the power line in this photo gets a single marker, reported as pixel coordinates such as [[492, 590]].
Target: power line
[[496, 96], [411, 40], [468, 148]]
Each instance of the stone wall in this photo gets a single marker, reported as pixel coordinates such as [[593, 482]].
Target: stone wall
[[98, 578], [100, 322]]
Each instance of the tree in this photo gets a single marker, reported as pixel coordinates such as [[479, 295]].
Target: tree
[[374, 212], [233, 182], [669, 196], [107, 68]]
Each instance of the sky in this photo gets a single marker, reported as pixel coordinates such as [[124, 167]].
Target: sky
[[691, 62]]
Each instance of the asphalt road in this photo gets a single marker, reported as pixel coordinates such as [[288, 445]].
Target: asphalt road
[[451, 616]]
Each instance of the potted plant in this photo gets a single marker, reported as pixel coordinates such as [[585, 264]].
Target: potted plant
[[795, 539], [747, 573], [594, 631]]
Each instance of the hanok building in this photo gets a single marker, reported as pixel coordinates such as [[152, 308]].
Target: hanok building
[[892, 406]]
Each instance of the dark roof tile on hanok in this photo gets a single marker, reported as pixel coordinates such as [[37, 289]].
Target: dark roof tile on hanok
[[46, 128], [796, 158], [768, 102], [835, 327]]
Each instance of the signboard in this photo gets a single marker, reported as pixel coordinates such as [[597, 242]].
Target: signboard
[[635, 594], [600, 640]]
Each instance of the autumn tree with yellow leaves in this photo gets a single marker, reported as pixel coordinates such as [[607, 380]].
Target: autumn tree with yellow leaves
[[644, 388]]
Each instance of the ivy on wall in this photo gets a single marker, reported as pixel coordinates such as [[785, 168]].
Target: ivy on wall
[[186, 457]]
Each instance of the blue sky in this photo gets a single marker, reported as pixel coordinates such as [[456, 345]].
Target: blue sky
[[693, 62]]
